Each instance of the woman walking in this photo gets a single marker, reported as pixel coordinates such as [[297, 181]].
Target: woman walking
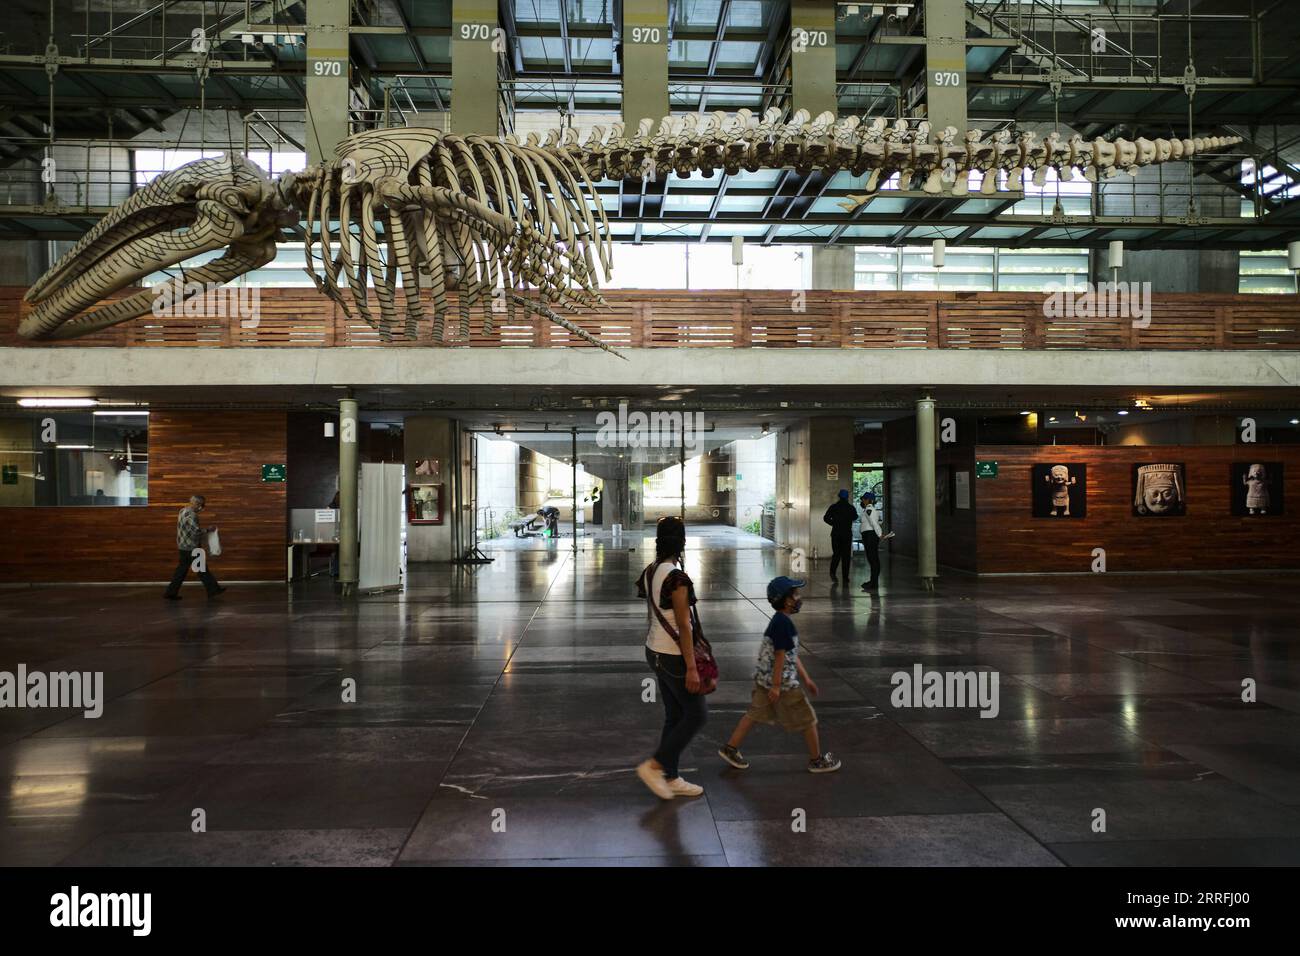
[[670, 652]]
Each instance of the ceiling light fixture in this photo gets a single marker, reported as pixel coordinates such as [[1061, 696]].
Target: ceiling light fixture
[[57, 402]]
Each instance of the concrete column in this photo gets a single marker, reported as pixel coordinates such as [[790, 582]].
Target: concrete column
[[349, 433], [834, 268], [328, 81], [945, 64], [532, 481], [926, 547], [474, 99], [645, 61], [429, 438], [818, 462], [812, 58]]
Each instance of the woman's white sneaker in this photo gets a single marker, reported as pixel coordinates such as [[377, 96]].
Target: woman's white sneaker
[[654, 779], [684, 788]]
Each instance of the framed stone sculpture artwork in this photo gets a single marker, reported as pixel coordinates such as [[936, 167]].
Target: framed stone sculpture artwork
[[1256, 488], [1060, 490], [1159, 490]]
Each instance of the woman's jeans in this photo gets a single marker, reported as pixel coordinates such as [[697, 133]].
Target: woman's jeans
[[684, 712]]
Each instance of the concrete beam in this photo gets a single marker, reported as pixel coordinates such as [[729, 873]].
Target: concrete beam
[[31, 370], [645, 61], [945, 64], [812, 56], [328, 77], [474, 68]]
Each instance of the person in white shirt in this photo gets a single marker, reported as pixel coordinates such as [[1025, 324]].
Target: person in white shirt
[[872, 534], [672, 658]]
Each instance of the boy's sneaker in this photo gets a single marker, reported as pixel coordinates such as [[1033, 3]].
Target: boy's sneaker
[[826, 763], [733, 757], [654, 779], [684, 788]]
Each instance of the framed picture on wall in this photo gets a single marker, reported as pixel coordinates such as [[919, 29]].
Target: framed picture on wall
[[1060, 490], [1159, 490], [424, 503], [1256, 488]]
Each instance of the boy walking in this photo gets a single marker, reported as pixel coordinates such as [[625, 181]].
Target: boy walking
[[778, 697]]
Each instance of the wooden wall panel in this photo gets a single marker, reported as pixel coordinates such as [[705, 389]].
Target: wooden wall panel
[[217, 454], [1208, 537], [720, 318]]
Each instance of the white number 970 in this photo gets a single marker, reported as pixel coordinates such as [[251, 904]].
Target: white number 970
[[475, 31], [327, 68], [947, 78]]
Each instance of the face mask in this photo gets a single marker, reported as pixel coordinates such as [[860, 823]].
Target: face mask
[[798, 603]]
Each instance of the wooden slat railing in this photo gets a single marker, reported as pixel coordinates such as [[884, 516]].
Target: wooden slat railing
[[289, 318]]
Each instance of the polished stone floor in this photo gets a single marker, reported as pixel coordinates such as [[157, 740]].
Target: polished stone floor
[[499, 712]]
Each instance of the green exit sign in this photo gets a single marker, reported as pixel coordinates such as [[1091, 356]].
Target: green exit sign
[[273, 472], [986, 469]]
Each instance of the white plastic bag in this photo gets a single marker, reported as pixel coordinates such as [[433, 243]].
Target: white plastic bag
[[214, 544]]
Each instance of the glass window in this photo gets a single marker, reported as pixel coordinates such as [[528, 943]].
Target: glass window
[[60, 458], [966, 268], [1265, 272], [149, 163], [1033, 270]]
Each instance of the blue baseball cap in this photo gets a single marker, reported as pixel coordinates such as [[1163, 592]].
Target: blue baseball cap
[[778, 588], [869, 496], [844, 493]]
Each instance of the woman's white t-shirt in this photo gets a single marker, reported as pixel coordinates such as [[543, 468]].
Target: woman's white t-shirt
[[658, 639]]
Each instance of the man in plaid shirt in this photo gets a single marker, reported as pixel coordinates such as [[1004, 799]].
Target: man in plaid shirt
[[188, 537]]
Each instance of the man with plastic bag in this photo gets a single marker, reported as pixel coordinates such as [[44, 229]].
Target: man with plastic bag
[[189, 538]]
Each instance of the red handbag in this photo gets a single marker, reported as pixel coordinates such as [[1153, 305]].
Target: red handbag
[[705, 663]]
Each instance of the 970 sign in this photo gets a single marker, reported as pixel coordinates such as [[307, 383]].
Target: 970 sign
[[482, 31]]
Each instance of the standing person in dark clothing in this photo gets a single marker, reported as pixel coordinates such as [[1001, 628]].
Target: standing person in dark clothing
[[872, 534], [840, 516], [188, 537]]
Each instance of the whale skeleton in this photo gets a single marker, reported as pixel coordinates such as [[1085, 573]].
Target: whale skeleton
[[516, 226]]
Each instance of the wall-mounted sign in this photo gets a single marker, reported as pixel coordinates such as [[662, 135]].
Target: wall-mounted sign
[[832, 472], [962, 479], [986, 469], [273, 472]]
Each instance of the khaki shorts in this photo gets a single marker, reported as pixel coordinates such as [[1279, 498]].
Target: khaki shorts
[[791, 710]]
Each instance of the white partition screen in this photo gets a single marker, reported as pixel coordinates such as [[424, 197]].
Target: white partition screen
[[381, 527]]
